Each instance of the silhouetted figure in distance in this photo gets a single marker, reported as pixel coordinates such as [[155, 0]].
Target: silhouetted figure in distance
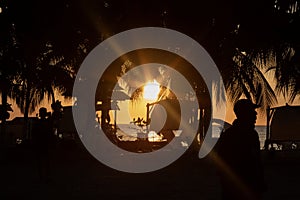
[[56, 116], [239, 163], [105, 118], [138, 121], [43, 138]]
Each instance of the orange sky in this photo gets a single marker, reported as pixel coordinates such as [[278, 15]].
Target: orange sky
[[17, 113], [122, 117], [129, 111]]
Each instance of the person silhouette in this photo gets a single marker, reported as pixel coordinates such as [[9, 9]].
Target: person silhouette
[[239, 164], [43, 138]]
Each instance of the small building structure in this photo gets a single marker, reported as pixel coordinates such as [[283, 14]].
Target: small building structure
[[283, 128]]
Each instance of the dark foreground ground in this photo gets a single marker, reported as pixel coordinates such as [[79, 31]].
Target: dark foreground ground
[[75, 174]]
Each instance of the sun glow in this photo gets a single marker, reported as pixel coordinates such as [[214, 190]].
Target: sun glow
[[151, 90]]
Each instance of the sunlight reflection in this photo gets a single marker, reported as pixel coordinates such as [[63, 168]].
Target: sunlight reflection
[[154, 137]]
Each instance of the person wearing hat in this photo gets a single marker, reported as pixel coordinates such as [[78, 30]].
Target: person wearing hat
[[238, 156]]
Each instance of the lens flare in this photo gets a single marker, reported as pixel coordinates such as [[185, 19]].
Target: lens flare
[[151, 90]]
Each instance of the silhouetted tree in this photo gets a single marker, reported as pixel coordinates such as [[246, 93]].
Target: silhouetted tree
[[243, 37], [9, 64], [42, 70]]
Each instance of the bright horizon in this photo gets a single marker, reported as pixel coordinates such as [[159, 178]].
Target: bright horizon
[[67, 102], [138, 109]]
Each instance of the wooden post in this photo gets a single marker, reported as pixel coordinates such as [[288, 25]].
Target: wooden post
[[115, 122], [201, 132], [267, 141], [147, 116]]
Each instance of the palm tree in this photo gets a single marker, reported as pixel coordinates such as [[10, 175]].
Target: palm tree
[[286, 53], [38, 79], [245, 78], [43, 67], [9, 66], [240, 36], [267, 34], [287, 74]]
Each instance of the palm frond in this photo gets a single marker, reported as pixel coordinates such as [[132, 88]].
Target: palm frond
[[248, 80]]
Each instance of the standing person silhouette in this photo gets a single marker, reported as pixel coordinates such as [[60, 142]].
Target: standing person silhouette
[[43, 139], [239, 163]]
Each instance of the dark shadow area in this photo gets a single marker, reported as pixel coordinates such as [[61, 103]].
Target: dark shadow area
[[75, 174]]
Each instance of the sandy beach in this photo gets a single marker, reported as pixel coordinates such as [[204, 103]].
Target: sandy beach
[[75, 174]]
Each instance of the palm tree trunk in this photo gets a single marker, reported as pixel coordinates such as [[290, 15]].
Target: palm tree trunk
[[26, 113], [52, 95]]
